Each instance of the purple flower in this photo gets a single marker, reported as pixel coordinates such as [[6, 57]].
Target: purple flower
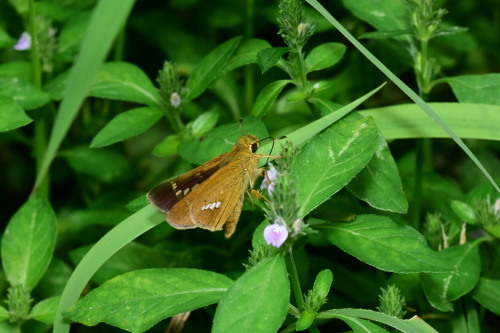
[[24, 42], [277, 233], [270, 177]]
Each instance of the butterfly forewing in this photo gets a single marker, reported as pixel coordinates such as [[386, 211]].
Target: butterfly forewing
[[167, 194]]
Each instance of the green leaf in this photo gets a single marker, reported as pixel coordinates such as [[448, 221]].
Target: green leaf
[[295, 96], [384, 34], [267, 97], [258, 235], [71, 36], [267, 58], [28, 242], [324, 56], [247, 54], [20, 69], [449, 31], [168, 146], [23, 92], [443, 288], [55, 278], [132, 256], [487, 293], [383, 14], [220, 140], [137, 300], [381, 243], [378, 183], [205, 122], [323, 282], [305, 320], [57, 86], [406, 326], [126, 125], [4, 314], [126, 82], [464, 211], [326, 107], [257, 301], [210, 67], [482, 89], [5, 39], [12, 115], [104, 164], [45, 311], [331, 159]]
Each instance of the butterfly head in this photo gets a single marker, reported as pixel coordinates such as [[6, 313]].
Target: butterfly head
[[250, 141]]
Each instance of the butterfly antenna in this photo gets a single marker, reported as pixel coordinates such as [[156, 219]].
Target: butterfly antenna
[[241, 126], [272, 146]]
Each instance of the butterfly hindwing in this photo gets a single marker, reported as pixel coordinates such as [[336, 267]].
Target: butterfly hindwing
[[215, 204]]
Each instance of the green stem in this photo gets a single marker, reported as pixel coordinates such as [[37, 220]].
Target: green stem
[[303, 72], [305, 85], [295, 284], [294, 279], [40, 144], [176, 123], [36, 71]]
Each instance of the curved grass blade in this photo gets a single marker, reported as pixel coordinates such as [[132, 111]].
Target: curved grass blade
[[410, 93], [107, 19]]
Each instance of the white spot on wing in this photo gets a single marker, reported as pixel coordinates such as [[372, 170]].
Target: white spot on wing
[[212, 205], [218, 204], [186, 191]]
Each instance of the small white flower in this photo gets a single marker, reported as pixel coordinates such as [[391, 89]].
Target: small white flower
[[175, 99], [270, 177]]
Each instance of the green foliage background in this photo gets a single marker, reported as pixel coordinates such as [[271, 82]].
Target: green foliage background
[[109, 141]]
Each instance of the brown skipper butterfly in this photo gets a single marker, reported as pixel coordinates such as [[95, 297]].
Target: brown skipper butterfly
[[211, 196]]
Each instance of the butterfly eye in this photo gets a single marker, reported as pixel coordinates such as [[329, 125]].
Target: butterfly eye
[[255, 146]]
